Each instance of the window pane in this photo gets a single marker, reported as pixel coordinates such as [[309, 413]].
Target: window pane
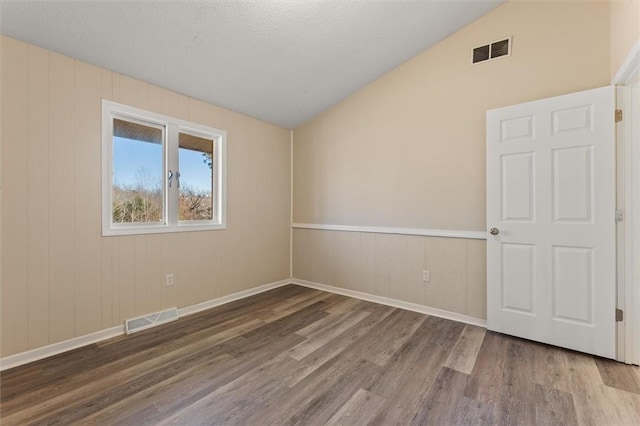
[[196, 163], [137, 173]]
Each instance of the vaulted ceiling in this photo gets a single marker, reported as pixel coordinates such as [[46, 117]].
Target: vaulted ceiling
[[279, 61]]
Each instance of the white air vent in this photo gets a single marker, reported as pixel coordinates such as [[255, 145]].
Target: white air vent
[[151, 320], [493, 50]]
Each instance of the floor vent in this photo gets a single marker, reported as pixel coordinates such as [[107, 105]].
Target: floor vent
[[151, 320]]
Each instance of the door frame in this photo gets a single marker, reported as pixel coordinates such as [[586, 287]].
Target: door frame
[[628, 200]]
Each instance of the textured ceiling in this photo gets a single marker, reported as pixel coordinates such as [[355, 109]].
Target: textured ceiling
[[280, 61]]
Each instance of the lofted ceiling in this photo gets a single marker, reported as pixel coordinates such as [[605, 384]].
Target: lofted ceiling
[[280, 61]]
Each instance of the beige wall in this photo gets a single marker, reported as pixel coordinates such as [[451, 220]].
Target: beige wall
[[391, 266], [60, 278], [408, 150], [625, 30]]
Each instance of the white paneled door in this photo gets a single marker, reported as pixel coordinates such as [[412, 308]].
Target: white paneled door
[[551, 248]]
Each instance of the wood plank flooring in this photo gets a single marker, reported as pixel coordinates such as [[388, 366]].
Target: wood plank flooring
[[300, 356]]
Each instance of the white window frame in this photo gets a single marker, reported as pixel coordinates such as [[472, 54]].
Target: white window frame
[[172, 128]]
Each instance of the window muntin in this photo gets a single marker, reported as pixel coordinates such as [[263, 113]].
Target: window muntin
[[160, 174]]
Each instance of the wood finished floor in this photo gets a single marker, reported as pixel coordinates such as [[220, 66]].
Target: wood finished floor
[[300, 356]]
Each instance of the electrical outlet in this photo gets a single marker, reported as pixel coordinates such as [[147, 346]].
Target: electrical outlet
[[426, 276], [170, 279]]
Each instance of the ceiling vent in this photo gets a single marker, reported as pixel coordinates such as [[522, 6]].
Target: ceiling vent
[[493, 50]]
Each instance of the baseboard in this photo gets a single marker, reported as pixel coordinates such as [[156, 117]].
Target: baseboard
[[57, 348], [199, 307], [441, 313], [77, 342]]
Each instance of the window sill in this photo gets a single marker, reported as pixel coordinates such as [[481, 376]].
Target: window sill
[[160, 229]]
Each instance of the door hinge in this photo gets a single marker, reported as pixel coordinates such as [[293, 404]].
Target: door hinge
[[619, 215], [618, 115], [619, 315]]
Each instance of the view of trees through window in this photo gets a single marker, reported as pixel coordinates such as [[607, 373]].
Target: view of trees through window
[[138, 190], [195, 156]]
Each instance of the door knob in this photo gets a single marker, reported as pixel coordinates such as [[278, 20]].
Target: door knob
[[494, 231]]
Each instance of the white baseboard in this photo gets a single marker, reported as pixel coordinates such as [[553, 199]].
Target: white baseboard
[[57, 348], [77, 342], [441, 313], [193, 309], [67, 345]]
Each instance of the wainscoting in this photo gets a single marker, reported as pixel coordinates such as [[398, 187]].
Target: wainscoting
[[391, 266]]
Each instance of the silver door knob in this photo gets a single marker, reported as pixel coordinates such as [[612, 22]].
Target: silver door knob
[[494, 231]]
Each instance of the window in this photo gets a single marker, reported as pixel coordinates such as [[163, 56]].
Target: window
[[160, 174]]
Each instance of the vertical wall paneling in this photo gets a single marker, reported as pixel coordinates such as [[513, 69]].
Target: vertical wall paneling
[[128, 91], [398, 268], [322, 256], [414, 289], [476, 278], [62, 198], [366, 262], [435, 262], [183, 273], [142, 94], [126, 277], [169, 252], [115, 87], [214, 261], [382, 265], [139, 290], [302, 255], [391, 265], [106, 279], [88, 92], [115, 280], [347, 262], [183, 108], [455, 279], [195, 110], [106, 258], [38, 193], [227, 257], [194, 264], [155, 276], [60, 278], [169, 103], [212, 116], [14, 203]]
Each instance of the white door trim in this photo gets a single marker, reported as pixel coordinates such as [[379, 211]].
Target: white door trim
[[628, 134], [629, 69]]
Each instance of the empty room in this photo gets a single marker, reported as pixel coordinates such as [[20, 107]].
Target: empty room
[[320, 212]]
